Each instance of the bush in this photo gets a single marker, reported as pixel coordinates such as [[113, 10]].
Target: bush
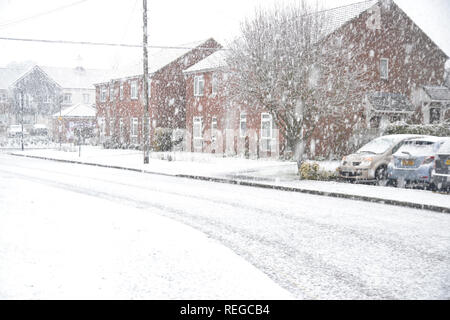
[[311, 171], [438, 130], [163, 140]]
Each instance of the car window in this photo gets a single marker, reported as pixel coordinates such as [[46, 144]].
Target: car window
[[417, 148], [378, 146], [445, 148], [395, 149]]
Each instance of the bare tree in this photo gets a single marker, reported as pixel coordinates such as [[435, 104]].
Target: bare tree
[[280, 63]]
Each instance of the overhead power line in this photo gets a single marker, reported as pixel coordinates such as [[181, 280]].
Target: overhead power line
[[103, 44], [6, 24]]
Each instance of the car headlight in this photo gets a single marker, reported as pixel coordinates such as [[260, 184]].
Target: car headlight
[[366, 162]]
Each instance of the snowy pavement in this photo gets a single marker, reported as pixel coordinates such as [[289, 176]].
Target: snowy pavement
[[271, 172], [78, 231], [59, 242]]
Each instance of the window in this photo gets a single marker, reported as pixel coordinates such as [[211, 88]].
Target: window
[[103, 94], [111, 92], [67, 98], [243, 125], [111, 127], [121, 129], [134, 127], [375, 122], [121, 91], [199, 86], [134, 90], [85, 98], [101, 124], [197, 133], [149, 88], [213, 129], [266, 131], [3, 97], [214, 84], [435, 115], [384, 69]]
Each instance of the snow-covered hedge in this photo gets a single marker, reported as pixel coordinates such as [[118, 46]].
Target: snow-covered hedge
[[439, 130], [312, 171]]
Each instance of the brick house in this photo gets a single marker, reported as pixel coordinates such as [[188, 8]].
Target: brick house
[[120, 103], [395, 57]]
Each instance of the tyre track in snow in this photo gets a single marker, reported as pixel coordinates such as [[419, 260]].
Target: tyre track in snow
[[397, 244], [289, 266], [214, 229]]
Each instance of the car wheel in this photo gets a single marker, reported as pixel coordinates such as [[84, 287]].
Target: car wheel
[[381, 176]]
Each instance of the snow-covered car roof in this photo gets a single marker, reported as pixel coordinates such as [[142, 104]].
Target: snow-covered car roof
[[430, 147], [445, 148], [431, 139]]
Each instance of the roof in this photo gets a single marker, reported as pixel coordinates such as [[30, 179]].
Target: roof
[[77, 111], [389, 102], [75, 78], [156, 61], [69, 78], [437, 93], [216, 60], [337, 17], [334, 18], [9, 75]]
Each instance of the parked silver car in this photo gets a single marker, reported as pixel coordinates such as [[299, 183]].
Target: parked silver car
[[370, 162], [440, 176], [414, 161]]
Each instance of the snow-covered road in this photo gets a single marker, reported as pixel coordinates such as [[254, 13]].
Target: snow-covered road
[[314, 247]]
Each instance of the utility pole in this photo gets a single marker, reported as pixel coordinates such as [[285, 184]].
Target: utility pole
[[145, 86], [21, 100], [60, 100]]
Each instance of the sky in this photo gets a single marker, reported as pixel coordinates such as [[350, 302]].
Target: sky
[[171, 23]]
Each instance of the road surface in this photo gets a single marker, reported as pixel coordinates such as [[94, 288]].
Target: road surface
[[312, 246]]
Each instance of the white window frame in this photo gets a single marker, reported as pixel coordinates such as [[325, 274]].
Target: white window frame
[[103, 94], [213, 129], [134, 90], [266, 140], [111, 126], [214, 84], [121, 91], [197, 139], [199, 90], [242, 119], [134, 122], [384, 76], [111, 93], [102, 125], [69, 100], [121, 129], [3, 97], [149, 88]]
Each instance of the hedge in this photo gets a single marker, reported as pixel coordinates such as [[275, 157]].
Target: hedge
[[438, 130]]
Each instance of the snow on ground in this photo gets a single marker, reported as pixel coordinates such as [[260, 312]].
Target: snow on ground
[[56, 244], [182, 162], [315, 247], [388, 193], [282, 173]]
